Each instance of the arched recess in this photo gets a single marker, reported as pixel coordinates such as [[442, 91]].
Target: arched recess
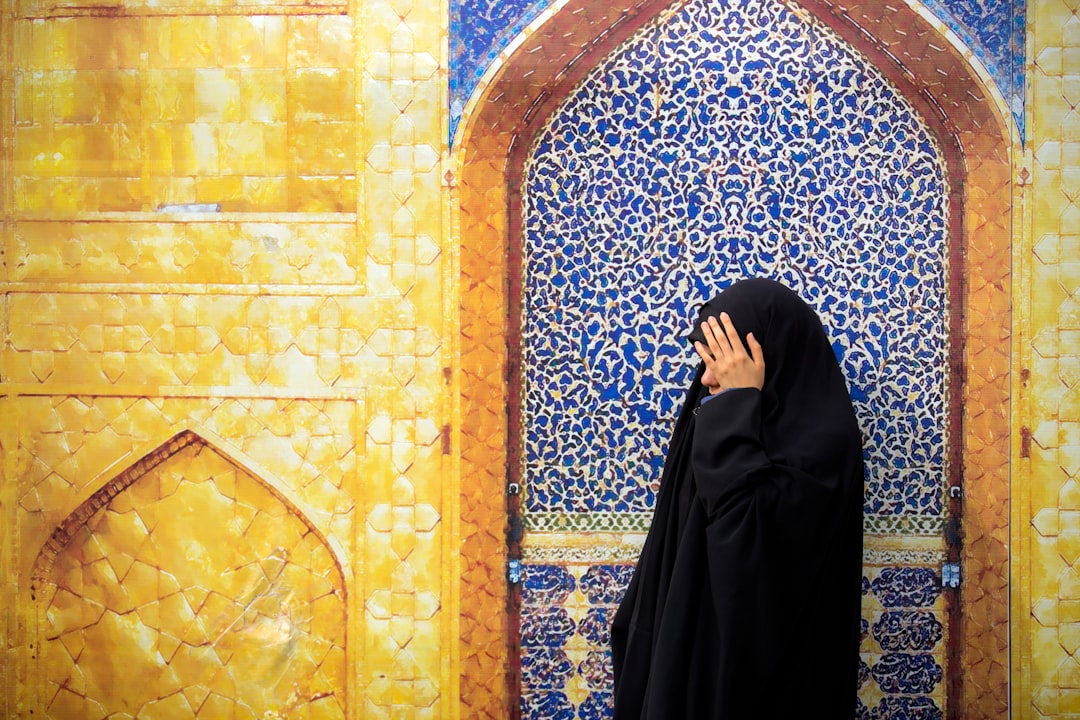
[[187, 585], [963, 109]]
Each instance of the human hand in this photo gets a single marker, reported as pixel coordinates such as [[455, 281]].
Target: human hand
[[727, 365]]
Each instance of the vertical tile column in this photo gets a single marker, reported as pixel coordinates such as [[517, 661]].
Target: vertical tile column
[[1047, 476], [8, 586], [9, 652], [406, 662]]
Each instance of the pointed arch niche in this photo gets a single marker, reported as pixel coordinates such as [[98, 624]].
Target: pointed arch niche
[[968, 116], [188, 586]]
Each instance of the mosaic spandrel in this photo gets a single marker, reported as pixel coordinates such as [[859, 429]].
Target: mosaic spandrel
[[993, 30]]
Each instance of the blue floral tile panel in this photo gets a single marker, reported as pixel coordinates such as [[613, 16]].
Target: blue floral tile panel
[[566, 661], [729, 141]]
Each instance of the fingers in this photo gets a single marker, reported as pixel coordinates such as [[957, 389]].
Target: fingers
[[729, 332], [755, 351], [715, 336], [722, 339], [727, 362], [707, 357]]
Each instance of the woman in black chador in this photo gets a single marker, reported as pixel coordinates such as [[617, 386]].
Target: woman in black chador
[[745, 601]]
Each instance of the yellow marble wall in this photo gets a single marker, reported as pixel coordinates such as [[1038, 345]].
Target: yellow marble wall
[[227, 393], [1046, 487], [144, 613]]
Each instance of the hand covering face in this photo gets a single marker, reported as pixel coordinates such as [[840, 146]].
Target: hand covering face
[[745, 600]]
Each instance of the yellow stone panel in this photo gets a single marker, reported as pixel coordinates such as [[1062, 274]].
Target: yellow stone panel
[[166, 94], [194, 149], [323, 194], [190, 41], [269, 194], [250, 148], [226, 191], [216, 95], [256, 41], [115, 95], [177, 109], [29, 157], [322, 148], [321, 41], [84, 150], [208, 614], [320, 94], [263, 95]]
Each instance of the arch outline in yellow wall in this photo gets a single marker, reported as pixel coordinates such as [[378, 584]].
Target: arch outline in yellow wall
[[109, 485]]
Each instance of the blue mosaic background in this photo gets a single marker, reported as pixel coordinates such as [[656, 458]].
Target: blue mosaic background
[[725, 143], [480, 29], [566, 663], [728, 143]]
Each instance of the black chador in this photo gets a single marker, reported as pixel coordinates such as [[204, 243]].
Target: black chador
[[745, 601]]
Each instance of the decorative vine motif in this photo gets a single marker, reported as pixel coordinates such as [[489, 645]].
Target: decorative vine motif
[[730, 140]]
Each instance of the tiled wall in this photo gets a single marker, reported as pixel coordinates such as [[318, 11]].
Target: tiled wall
[[249, 112], [526, 84], [481, 30], [325, 296], [1046, 673], [249, 616], [227, 388], [692, 156]]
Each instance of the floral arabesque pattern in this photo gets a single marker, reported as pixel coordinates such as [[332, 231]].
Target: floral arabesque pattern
[[566, 661], [721, 143]]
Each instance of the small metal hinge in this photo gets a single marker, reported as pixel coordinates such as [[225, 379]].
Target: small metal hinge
[[950, 575], [514, 571]]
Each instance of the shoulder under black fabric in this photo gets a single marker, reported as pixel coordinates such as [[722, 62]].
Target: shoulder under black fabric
[[745, 602]]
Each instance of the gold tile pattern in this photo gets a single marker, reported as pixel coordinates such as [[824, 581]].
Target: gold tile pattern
[[294, 319], [137, 113], [410, 640], [247, 619], [314, 250], [337, 114], [236, 340], [1047, 460], [484, 443]]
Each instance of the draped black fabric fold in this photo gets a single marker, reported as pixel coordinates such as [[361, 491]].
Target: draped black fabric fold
[[745, 602]]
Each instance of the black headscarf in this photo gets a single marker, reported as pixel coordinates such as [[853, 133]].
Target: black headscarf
[[745, 600]]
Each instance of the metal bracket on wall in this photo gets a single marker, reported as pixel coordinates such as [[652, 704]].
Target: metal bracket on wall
[[514, 571], [950, 575]]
